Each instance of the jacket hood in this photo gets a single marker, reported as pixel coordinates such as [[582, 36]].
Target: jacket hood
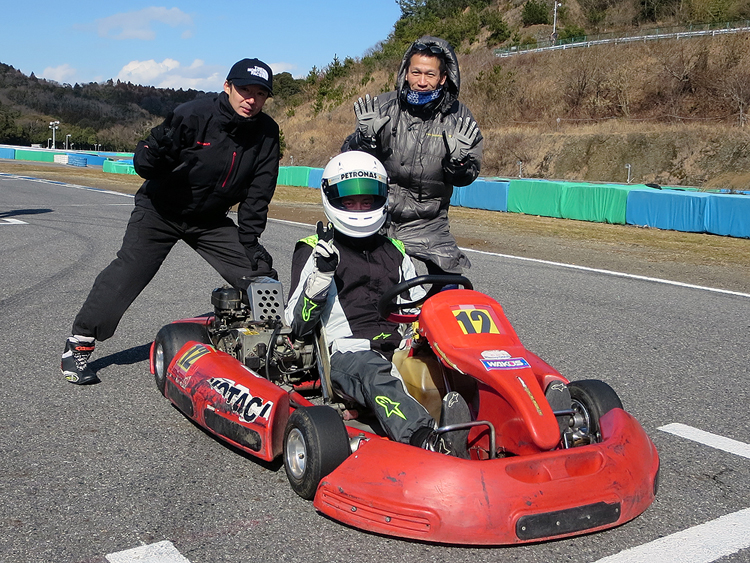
[[452, 84]]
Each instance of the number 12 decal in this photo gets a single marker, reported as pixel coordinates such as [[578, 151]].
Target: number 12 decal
[[476, 321]]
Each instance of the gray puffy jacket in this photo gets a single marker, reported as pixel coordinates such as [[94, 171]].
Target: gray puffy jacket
[[421, 177]]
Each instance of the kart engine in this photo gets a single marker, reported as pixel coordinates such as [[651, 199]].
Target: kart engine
[[250, 327]]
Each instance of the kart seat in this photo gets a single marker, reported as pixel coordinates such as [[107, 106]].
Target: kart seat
[[423, 378]]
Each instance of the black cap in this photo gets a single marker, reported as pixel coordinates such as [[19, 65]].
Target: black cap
[[252, 71]]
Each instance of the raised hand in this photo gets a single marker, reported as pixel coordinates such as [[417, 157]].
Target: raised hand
[[459, 142], [369, 120]]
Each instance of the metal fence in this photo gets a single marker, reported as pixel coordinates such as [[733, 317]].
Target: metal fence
[[697, 30]]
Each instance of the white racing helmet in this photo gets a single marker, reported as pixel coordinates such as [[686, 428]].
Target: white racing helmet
[[350, 174]]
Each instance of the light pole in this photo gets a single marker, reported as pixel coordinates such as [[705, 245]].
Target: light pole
[[554, 20], [67, 137], [54, 125], [628, 167]]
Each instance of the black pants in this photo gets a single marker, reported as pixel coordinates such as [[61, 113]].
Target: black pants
[[148, 239], [366, 377]]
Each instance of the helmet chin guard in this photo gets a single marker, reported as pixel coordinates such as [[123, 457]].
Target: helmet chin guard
[[349, 175]]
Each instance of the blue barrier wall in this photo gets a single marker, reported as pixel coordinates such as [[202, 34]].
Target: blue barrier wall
[[315, 177], [667, 209], [7, 153], [485, 194], [728, 214]]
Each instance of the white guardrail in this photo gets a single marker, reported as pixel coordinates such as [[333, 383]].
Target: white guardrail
[[585, 42]]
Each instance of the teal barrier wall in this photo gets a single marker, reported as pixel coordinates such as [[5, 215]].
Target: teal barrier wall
[[36, 156], [535, 197], [599, 203], [119, 167]]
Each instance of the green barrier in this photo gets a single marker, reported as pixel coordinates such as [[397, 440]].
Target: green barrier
[[115, 167], [283, 179], [36, 156], [297, 176], [535, 197], [600, 203]]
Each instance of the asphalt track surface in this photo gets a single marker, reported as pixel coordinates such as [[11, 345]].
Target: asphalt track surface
[[87, 472]]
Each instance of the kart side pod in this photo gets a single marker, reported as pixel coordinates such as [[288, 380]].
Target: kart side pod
[[230, 400]]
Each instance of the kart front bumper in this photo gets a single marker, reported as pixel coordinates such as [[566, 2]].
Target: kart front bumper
[[399, 490]]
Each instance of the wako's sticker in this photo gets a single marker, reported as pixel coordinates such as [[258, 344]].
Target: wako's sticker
[[509, 363], [476, 320]]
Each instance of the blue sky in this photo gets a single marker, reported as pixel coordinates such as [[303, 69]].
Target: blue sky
[[185, 44]]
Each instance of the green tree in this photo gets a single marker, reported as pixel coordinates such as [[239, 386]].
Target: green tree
[[535, 12]]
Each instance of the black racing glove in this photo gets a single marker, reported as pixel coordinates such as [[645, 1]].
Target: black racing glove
[[325, 259], [162, 140], [259, 254]]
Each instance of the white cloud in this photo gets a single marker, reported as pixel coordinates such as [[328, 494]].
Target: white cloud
[[278, 68], [171, 74], [61, 74], [138, 25]]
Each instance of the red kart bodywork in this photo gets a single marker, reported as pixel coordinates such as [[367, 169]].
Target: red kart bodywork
[[538, 491]]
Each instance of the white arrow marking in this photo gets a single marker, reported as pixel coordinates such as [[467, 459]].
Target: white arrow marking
[[704, 543], [706, 438], [162, 552]]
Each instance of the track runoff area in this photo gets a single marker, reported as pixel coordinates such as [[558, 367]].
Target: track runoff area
[[704, 543]]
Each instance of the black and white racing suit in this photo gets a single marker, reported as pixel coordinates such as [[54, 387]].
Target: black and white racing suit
[[361, 342]]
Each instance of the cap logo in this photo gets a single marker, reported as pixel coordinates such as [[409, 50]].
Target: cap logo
[[258, 71]]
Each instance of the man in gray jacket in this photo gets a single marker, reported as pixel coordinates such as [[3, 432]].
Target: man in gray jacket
[[428, 142]]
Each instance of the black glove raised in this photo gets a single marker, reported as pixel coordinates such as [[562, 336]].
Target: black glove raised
[[325, 253]]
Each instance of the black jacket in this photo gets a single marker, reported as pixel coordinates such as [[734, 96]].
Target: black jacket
[[349, 312], [216, 159]]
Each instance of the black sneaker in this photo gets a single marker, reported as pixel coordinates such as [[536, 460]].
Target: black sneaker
[[74, 364], [454, 442]]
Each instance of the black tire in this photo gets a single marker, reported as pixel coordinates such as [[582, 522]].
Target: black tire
[[592, 399], [315, 443], [167, 343]]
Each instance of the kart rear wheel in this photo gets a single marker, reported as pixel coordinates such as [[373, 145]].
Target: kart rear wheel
[[167, 343], [315, 443], [592, 399]]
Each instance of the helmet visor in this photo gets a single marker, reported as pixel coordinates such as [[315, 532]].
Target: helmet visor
[[363, 184]]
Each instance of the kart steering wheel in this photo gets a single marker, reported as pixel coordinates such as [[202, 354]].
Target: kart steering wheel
[[392, 311]]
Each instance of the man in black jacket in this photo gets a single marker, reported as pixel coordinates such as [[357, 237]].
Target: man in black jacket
[[208, 155]]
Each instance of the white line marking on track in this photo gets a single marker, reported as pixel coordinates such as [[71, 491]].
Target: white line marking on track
[[576, 267], [510, 256], [704, 543], [706, 438], [611, 273], [700, 544], [9, 221], [162, 552]]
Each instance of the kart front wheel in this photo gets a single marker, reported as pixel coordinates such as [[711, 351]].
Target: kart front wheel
[[315, 443], [168, 342], [591, 399]]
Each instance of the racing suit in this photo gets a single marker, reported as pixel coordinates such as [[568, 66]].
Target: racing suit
[[421, 177], [362, 343], [203, 159]]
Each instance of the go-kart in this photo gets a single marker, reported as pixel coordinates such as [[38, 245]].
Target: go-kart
[[549, 458]]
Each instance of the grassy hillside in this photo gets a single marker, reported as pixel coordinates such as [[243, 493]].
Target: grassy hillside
[[674, 110]]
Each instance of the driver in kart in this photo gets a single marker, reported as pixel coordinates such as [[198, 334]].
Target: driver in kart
[[338, 276]]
